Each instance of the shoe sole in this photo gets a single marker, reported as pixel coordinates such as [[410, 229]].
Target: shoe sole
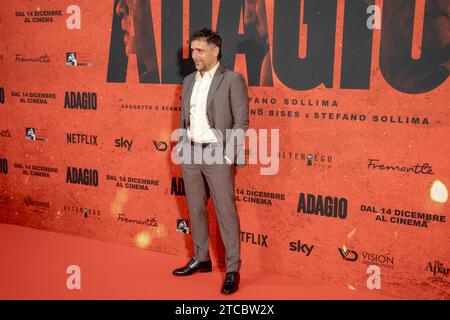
[[191, 273], [224, 292], [204, 270]]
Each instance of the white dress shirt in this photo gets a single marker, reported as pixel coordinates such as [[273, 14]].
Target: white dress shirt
[[199, 129]]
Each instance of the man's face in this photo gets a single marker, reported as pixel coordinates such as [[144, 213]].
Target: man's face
[[204, 54], [132, 13], [440, 27]]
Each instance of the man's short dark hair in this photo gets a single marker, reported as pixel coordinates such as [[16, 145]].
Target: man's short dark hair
[[210, 37]]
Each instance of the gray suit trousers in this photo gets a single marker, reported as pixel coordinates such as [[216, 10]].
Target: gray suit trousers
[[220, 179]]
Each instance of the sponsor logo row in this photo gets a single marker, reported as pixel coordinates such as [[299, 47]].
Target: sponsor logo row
[[308, 205], [436, 267]]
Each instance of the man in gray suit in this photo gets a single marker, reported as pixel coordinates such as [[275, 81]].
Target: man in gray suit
[[213, 122]]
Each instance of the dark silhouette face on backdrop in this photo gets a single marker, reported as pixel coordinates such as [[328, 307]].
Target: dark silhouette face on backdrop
[[433, 65], [439, 34], [137, 25], [129, 11]]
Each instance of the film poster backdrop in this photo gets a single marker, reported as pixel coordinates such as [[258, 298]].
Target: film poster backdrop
[[90, 93]]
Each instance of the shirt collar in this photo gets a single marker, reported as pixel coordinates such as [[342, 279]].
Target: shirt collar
[[210, 74]]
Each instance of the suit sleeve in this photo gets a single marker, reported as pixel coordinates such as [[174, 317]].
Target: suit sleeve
[[181, 124], [240, 112], [239, 103]]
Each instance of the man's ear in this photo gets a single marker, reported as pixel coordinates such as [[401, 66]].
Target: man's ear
[[216, 51]]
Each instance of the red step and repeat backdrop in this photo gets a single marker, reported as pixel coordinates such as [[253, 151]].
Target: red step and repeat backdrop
[[90, 95]]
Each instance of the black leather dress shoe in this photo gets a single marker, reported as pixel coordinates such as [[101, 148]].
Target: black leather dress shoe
[[231, 283], [193, 266]]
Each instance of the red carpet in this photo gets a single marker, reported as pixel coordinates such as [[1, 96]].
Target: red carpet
[[34, 262]]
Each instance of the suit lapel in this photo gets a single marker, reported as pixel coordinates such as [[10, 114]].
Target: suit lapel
[[217, 80], [218, 77], [187, 97]]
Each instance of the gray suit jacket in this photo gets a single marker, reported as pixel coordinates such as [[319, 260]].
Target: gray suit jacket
[[226, 107]]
